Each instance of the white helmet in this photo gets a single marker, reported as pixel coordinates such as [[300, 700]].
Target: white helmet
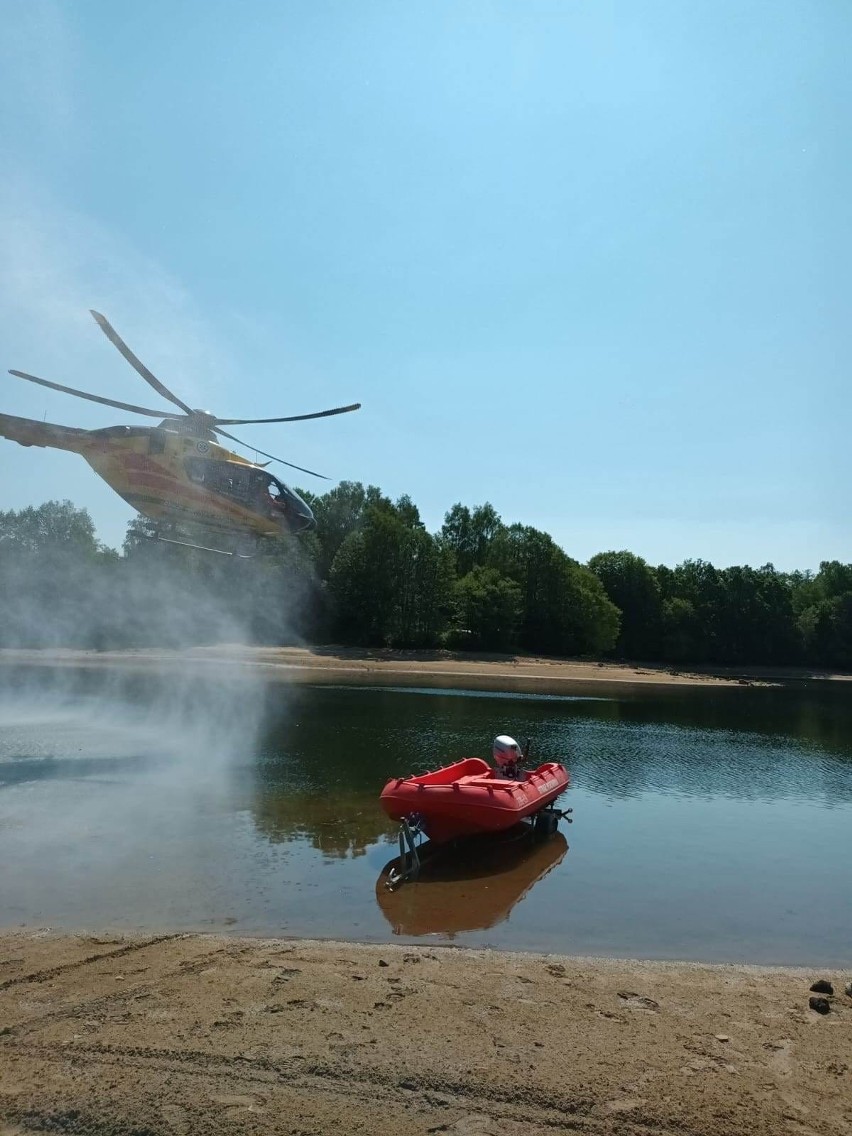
[[505, 751]]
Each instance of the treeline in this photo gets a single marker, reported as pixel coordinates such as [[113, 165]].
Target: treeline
[[371, 574]]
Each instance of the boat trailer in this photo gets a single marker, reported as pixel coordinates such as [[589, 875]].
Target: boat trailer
[[543, 824]]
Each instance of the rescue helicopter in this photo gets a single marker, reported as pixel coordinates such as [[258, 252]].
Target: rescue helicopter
[[178, 473]]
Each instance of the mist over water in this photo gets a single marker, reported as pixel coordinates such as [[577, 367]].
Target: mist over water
[[115, 777], [713, 825]]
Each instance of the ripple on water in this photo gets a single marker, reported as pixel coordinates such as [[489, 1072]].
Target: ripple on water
[[707, 826]]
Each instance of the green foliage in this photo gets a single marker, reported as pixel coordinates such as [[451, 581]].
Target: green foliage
[[565, 608], [826, 629], [141, 531], [634, 589], [729, 616], [756, 620], [470, 535], [834, 579], [55, 526], [339, 513], [681, 631], [371, 574], [391, 581], [825, 616], [489, 609], [49, 563]]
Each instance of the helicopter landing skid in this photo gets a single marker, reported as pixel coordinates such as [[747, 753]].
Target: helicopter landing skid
[[204, 548]]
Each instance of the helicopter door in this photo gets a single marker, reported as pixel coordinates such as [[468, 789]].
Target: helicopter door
[[196, 468], [157, 442]]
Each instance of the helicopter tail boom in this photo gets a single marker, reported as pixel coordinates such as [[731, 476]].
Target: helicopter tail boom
[[28, 432]]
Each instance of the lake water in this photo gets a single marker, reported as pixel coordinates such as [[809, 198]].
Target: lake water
[[709, 823]]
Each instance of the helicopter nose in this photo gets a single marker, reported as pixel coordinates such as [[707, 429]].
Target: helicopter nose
[[299, 515]]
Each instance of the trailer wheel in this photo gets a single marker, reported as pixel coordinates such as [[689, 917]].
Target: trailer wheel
[[546, 823]]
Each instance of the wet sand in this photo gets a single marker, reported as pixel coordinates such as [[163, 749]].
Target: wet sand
[[375, 667], [202, 1034]]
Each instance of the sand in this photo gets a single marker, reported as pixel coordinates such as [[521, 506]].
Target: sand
[[205, 1034], [353, 665]]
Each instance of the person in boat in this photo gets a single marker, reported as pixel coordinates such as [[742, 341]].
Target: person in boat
[[508, 757]]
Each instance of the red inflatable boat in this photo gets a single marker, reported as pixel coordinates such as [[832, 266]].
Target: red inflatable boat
[[470, 797]]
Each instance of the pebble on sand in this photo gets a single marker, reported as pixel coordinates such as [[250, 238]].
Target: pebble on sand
[[822, 986]]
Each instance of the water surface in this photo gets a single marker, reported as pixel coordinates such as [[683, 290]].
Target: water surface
[[710, 823]]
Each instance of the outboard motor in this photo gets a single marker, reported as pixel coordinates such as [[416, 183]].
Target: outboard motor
[[507, 756]]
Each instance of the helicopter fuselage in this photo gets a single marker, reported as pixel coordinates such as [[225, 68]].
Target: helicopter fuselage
[[175, 476]]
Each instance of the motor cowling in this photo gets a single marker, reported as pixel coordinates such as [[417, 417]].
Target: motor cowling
[[506, 752]]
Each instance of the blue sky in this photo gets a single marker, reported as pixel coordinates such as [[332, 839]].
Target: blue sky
[[588, 261]]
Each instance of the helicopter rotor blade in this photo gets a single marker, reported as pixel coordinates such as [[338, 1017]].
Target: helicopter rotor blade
[[246, 446], [137, 364], [96, 397], [292, 417]]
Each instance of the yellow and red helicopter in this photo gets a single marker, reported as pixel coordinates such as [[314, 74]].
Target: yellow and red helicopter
[[177, 473]]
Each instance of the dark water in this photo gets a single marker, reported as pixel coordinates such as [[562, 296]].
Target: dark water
[[710, 824]]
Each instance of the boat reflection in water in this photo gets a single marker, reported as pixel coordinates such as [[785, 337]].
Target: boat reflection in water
[[470, 886]]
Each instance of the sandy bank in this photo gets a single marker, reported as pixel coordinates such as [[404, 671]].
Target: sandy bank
[[197, 1034], [424, 668]]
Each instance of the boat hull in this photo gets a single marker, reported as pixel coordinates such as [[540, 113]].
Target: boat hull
[[469, 798]]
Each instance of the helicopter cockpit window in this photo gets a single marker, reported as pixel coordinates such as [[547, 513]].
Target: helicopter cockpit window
[[253, 487], [264, 484]]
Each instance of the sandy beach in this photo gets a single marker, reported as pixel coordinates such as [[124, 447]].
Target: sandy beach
[[201, 1034], [379, 666]]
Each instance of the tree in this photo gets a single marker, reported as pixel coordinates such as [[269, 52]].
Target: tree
[[700, 588], [372, 574], [755, 622], [55, 525], [338, 513], [834, 579], [408, 512], [457, 536], [54, 577], [470, 534], [824, 604], [391, 582], [565, 608], [489, 607], [140, 534], [632, 586], [682, 639], [826, 629]]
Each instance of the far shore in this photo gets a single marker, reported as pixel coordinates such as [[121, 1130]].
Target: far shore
[[432, 668]]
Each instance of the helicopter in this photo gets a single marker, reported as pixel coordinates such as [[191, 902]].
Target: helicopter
[[177, 473]]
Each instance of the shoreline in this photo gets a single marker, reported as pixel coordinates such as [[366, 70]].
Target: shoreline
[[437, 669], [190, 1033]]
